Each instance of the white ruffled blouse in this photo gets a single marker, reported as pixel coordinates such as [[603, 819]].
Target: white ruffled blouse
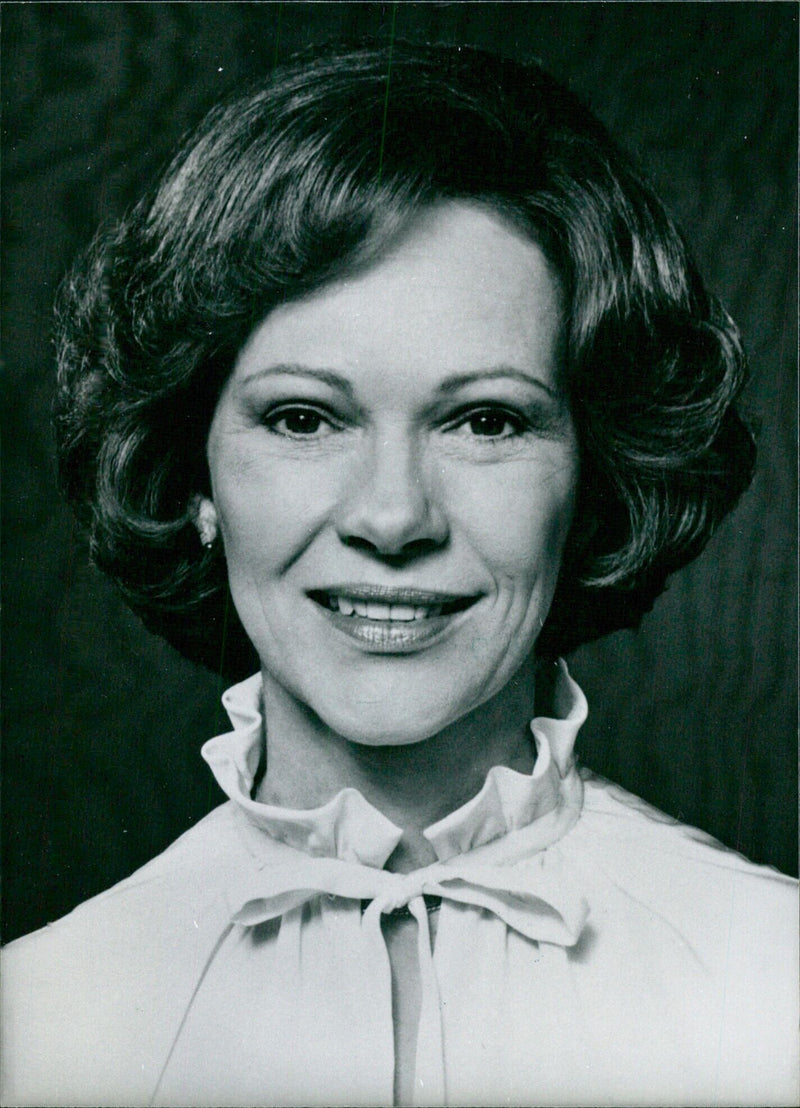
[[589, 950]]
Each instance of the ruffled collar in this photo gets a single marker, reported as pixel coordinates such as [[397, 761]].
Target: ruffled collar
[[349, 828]]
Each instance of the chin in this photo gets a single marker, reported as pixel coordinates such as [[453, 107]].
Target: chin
[[387, 716], [383, 728], [386, 713]]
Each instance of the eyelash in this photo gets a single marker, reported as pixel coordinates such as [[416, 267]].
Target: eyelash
[[310, 413], [275, 416], [518, 422]]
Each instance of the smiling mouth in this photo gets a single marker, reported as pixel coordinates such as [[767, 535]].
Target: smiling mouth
[[386, 605]]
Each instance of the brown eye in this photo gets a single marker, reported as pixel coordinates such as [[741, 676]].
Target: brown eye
[[301, 422], [298, 422], [493, 424]]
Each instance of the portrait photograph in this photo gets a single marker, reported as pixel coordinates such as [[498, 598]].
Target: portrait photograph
[[399, 526]]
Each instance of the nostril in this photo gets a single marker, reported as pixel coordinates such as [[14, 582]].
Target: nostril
[[408, 552], [388, 508]]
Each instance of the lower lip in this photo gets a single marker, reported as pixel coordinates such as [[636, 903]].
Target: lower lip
[[384, 636]]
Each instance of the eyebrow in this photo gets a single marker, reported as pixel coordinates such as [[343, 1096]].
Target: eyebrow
[[326, 376], [448, 386], [460, 380]]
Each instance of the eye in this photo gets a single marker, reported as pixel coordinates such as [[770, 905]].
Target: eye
[[299, 421], [491, 423]]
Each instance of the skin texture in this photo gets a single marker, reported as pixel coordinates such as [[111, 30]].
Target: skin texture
[[402, 427]]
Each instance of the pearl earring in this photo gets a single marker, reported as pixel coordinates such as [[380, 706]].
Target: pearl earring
[[205, 520]]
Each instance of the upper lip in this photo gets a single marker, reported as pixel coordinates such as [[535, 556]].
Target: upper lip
[[383, 594]]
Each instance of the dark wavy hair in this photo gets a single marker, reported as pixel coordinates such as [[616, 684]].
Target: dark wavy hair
[[312, 172]]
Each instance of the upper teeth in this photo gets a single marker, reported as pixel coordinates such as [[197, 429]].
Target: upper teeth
[[374, 610]]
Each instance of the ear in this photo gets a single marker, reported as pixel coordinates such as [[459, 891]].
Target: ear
[[204, 517]]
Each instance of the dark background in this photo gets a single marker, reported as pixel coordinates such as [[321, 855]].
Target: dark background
[[102, 722]]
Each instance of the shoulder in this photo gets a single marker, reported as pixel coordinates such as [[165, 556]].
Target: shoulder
[[680, 871], [711, 933], [175, 881], [615, 818], [116, 970]]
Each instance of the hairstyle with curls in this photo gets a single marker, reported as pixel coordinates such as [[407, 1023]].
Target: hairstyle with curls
[[312, 172]]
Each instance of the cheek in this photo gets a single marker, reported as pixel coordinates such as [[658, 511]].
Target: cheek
[[520, 521], [270, 512]]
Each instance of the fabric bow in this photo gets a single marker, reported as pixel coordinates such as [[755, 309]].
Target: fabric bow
[[534, 897]]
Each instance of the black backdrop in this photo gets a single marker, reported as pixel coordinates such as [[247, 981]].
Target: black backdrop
[[696, 712]]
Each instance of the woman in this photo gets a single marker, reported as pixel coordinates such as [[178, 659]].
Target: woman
[[399, 385]]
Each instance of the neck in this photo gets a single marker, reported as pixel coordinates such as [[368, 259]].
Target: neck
[[412, 785]]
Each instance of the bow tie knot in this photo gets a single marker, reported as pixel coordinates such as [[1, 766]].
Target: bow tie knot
[[535, 898], [400, 891]]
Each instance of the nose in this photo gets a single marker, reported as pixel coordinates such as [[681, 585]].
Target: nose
[[391, 509]]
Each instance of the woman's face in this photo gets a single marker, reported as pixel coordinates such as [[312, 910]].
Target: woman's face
[[393, 468]]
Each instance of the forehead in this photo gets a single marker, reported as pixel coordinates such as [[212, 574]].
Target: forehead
[[460, 289]]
